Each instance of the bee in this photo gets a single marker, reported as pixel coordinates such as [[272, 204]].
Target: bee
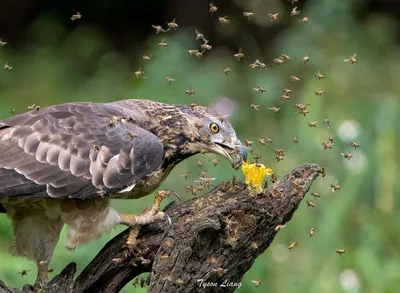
[[248, 143], [347, 156], [239, 55], [319, 76], [323, 172], [206, 46], [186, 175], [223, 19], [23, 273], [312, 123], [310, 203], [200, 36], [340, 251], [278, 61], [158, 29], [50, 270], [257, 282], [139, 73], [326, 145], [213, 8], [257, 157], [273, 16], [261, 65], [295, 139], [132, 135], [304, 19], [162, 44], [12, 110], [279, 227], [319, 93], [293, 244], [304, 112], [172, 25], [192, 105], [286, 91], [248, 14], [2, 44], [7, 67], [169, 80], [301, 106], [189, 92], [164, 257], [330, 139], [312, 231], [327, 121], [199, 54], [273, 178], [200, 188], [285, 57], [34, 107], [285, 97], [351, 59], [306, 59], [227, 70], [220, 271], [354, 144], [274, 109], [76, 16], [215, 162], [268, 140], [294, 12], [193, 52], [294, 79], [315, 194], [335, 186], [146, 58], [259, 89], [261, 141], [199, 163]]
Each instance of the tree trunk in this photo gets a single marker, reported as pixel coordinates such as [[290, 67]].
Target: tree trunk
[[212, 242]]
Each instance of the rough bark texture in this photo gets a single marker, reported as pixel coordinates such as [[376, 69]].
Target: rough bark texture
[[212, 238]]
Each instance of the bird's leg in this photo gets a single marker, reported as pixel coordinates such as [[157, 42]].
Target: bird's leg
[[148, 216], [43, 275]]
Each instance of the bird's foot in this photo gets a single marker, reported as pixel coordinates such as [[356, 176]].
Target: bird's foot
[[135, 222]]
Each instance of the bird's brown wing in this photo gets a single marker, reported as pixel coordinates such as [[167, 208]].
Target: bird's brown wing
[[71, 150]]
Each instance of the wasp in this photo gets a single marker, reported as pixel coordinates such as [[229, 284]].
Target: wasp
[[220, 271], [326, 145], [319, 76], [158, 29], [227, 70], [354, 144], [294, 79], [172, 25], [285, 97], [223, 19], [169, 80], [162, 44], [278, 61], [347, 156], [319, 93], [193, 52], [215, 162], [331, 140], [268, 140], [259, 89], [315, 194], [146, 58], [286, 91], [323, 172], [306, 59], [213, 8], [132, 135], [189, 92], [199, 163], [239, 55], [248, 14], [293, 244], [304, 19], [24, 272], [248, 143], [139, 73], [206, 46], [12, 110], [76, 16], [261, 141], [200, 36], [295, 139], [34, 107], [340, 251], [274, 109], [351, 59], [199, 54], [7, 67], [312, 231], [327, 121]]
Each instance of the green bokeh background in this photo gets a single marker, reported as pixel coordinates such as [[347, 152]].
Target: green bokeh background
[[361, 100]]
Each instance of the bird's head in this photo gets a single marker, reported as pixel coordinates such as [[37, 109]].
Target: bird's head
[[205, 131]]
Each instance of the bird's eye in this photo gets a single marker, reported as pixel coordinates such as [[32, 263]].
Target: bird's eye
[[214, 128]]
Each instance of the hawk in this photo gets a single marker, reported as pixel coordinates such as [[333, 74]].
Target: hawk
[[62, 165]]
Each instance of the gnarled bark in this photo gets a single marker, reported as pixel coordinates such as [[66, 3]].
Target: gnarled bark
[[212, 238]]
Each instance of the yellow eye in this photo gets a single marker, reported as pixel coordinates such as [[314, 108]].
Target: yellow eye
[[214, 128]]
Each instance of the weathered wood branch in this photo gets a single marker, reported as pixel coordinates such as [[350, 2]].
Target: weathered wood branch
[[212, 238]]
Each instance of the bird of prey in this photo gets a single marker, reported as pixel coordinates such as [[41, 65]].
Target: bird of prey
[[63, 164]]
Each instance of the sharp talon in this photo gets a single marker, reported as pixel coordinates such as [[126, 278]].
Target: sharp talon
[[177, 195], [168, 219]]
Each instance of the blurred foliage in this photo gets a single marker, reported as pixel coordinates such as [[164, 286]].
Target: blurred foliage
[[361, 100]]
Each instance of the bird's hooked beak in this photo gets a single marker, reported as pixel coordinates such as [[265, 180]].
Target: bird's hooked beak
[[235, 152]]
